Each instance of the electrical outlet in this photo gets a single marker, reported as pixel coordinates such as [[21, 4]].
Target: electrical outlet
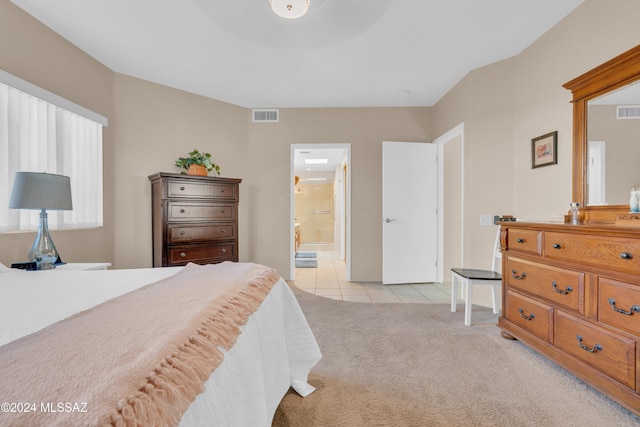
[[486, 220]]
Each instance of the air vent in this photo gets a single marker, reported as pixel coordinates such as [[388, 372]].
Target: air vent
[[628, 112], [265, 116]]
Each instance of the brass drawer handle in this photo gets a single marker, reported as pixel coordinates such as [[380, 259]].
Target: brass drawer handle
[[221, 210], [181, 188], [593, 349], [634, 308], [520, 240], [561, 291], [182, 233], [182, 254], [223, 250], [626, 255], [531, 316], [518, 277], [556, 246], [223, 231], [181, 210]]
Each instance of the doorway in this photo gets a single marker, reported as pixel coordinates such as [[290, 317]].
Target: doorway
[[320, 200], [450, 200], [596, 173]]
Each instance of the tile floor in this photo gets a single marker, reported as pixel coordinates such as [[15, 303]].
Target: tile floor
[[328, 280]]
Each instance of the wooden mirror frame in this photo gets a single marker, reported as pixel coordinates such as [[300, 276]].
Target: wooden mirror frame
[[611, 75]]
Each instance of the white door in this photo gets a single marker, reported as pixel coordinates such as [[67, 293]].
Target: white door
[[596, 175], [409, 212]]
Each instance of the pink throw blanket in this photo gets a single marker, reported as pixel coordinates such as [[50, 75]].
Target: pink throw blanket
[[136, 360]]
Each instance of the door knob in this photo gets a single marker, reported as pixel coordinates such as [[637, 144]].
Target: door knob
[[388, 220]]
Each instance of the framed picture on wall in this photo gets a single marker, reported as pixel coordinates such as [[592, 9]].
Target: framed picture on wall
[[544, 150]]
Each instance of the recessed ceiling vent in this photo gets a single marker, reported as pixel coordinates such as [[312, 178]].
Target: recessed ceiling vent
[[266, 116], [628, 112]]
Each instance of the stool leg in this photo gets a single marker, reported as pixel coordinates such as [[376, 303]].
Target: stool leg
[[454, 292], [494, 299], [467, 302]]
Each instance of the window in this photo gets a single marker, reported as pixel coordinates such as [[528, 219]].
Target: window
[[41, 132]]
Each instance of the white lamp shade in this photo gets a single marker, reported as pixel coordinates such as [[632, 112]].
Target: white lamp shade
[[290, 9], [39, 190]]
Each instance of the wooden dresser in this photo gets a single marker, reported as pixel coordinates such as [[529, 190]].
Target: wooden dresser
[[572, 292], [195, 219]]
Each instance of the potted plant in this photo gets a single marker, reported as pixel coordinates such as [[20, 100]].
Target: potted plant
[[197, 163]]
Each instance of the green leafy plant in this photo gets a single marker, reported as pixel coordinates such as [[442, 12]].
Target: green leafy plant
[[197, 158]]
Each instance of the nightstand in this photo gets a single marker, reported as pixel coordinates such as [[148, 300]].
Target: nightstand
[[77, 266]]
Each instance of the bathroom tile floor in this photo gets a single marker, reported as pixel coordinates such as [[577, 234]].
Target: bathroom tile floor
[[328, 280]]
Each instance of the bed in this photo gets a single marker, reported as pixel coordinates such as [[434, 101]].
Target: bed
[[273, 350]]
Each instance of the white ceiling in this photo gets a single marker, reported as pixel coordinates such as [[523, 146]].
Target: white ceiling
[[342, 53], [334, 157]]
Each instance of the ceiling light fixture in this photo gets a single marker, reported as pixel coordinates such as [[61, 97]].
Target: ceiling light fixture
[[290, 9], [316, 161]]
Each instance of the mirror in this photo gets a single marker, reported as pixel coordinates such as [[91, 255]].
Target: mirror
[[613, 146], [603, 191]]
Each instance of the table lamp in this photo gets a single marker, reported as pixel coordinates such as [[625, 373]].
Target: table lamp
[[39, 190]]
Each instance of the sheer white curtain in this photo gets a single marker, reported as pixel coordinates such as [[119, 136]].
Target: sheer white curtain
[[39, 136]]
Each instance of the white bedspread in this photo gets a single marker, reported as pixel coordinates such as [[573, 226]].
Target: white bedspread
[[276, 349]]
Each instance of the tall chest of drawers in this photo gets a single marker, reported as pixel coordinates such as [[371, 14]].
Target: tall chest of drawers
[[194, 219], [572, 292]]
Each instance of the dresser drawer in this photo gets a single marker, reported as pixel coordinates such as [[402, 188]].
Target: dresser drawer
[[618, 254], [202, 254], [527, 241], [529, 314], [619, 305], [611, 354], [180, 211], [200, 190], [187, 233], [561, 286]]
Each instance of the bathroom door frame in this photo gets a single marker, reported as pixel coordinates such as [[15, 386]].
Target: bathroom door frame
[[346, 209]]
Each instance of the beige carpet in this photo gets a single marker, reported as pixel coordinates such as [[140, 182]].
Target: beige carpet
[[418, 365]]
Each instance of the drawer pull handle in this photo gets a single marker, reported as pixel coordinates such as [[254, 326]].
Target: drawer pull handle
[[182, 254], [181, 188], [626, 255], [181, 210], [222, 190], [524, 316], [521, 240], [182, 233], [223, 231], [221, 210], [518, 277], [593, 349], [223, 250], [556, 246], [561, 291], [634, 308]]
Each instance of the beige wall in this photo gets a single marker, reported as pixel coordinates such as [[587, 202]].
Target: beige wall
[[483, 102], [153, 126], [506, 104], [32, 52], [452, 205], [269, 168], [622, 147], [503, 106], [596, 32]]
